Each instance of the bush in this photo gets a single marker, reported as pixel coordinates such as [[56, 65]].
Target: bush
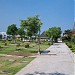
[[73, 39], [26, 45], [69, 45], [0, 46], [5, 43], [18, 44], [49, 43]]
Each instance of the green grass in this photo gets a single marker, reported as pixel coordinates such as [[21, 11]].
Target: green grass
[[10, 68], [71, 45], [13, 67], [32, 49]]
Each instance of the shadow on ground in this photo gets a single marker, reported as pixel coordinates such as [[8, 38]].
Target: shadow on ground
[[45, 52], [42, 73]]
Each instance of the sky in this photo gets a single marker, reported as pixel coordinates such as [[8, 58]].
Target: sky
[[59, 13]]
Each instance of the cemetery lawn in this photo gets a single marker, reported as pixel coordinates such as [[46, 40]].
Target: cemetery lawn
[[20, 48], [10, 65], [17, 56]]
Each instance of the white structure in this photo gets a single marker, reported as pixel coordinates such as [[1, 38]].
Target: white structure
[[4, 35]]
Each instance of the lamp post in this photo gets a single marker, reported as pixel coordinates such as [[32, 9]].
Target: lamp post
[[39, 42]]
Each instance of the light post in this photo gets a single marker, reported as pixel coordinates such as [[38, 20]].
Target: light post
[[39, 41]]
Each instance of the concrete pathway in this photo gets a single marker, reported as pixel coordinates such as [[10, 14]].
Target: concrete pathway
[[56, 60]]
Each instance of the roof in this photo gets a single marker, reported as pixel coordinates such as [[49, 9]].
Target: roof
[[43, 35]]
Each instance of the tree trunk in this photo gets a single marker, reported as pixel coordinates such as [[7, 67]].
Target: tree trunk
[[52, 41], [55, 40], [14, 39]]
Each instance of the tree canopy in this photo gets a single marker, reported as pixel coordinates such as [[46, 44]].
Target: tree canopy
[[21, 32], [54, 33], [31, 25], [12, 29], [68, 32]]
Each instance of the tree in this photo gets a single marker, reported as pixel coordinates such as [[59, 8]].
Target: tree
[[68, 34], [54, 33], [21, 32], [31, 25], [73, 39], [12, 30]]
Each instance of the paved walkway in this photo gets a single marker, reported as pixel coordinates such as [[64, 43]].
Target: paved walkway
[[56, 60]]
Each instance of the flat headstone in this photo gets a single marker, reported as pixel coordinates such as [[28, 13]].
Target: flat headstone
[[11, 60], [24, 61]]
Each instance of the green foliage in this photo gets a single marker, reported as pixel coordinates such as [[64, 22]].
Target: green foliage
[[12, 29], [69, 45], [1, 47], [54, 33], [73, 39], [18, 44], [68, 34], [21, 32], [26, 45], [5, 43], [31, 25], [49, 43]]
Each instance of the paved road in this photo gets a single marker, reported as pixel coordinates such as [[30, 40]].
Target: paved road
[[56, 60]]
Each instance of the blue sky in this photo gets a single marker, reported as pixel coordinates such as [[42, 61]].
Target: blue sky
[[59, 13]]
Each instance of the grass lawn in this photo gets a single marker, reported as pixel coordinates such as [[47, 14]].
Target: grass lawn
[[10, 65], [33, 47]]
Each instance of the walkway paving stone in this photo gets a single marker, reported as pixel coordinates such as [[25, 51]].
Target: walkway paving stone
[[57, 60]]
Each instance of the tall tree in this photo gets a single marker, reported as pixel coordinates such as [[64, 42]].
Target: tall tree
[[54, 33], [68, 34], [12, 30], [31, 25], [21, 32]]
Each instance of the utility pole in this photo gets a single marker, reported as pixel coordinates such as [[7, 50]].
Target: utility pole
[[39, 42]]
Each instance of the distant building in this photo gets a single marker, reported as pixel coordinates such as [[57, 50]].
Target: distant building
[[3, 35], [43, 36]]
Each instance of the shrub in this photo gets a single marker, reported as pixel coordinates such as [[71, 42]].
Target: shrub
[[18, 44], [5, 43], [26, 45], [49, 43], [0, 46], [69, 45], [73, 39]]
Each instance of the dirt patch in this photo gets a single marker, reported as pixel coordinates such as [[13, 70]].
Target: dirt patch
[[15, 64], [20, 54], [4, 58]]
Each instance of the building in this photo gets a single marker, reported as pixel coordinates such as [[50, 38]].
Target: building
[[3, 35], [43, 36]]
